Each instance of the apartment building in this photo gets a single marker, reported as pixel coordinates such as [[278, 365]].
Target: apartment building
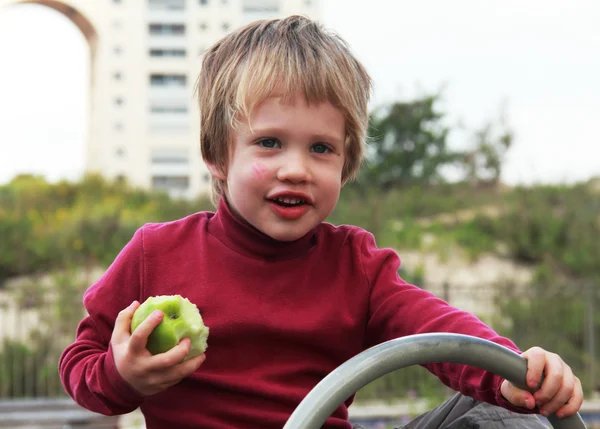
[[144, 59]]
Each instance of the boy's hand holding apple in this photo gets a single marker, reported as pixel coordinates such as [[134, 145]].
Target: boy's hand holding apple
[[150, 373]]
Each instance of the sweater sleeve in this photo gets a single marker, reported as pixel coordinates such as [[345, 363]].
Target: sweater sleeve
[[397, 309], [87, 367]]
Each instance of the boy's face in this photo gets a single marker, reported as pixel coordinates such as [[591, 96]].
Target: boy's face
[[285, 171]]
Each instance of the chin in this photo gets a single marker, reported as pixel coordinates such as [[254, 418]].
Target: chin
[[287, 235]]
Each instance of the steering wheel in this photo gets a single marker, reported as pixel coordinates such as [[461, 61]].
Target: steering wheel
[[399, 353]]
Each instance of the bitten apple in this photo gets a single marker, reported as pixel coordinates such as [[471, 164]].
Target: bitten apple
[[181, 320]]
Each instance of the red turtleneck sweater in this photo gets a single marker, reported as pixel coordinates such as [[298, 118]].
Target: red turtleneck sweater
[[281, 317]]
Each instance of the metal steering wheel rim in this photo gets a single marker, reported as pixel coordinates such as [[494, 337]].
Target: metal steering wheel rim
[[392, 355]]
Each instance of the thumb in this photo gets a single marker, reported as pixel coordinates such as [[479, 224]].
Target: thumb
[[122, 330], [518, 397]]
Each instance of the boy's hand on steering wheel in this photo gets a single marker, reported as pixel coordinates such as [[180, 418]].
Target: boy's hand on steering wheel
[[148, 374], [559, 394]]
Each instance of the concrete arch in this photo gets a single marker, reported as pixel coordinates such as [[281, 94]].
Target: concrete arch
[[74, 14], [87, 17]]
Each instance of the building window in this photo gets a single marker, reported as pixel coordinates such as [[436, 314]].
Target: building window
[[120, 151], [168, 109], [119, 126], [119, 101], [170, 157], [170, 170], [167, 52], [203, 26], [166, 4], [117, 76], [260, 6], [167, 114], [118, 50], [308, 3], [117, 1], [206, 177], [167, 29], [170, 80], [225, 26], [203, 2], [170, 182]]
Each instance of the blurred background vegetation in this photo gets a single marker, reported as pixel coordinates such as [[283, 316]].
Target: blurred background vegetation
[[57, 237]]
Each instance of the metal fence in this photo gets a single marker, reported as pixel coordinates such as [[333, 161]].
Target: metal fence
[[52, 414], [38, 319], [36, 327], [28, 355]]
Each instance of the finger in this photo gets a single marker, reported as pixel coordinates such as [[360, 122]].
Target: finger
[[563, 395], [574, 403], [536, 362], [186, 368], [518, 397], [553, 380], [139, 338], [171, 357], [121, 331]]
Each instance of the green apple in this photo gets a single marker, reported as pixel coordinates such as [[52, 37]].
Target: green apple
[[181, 320]]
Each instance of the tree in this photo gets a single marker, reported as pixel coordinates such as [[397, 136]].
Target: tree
[[555, 229], [409, 145], [483, 163]]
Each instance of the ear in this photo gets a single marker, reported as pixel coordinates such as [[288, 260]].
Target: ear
[[345, 180], [217, 172]]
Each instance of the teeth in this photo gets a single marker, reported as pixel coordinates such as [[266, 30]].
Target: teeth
[[287, 200]]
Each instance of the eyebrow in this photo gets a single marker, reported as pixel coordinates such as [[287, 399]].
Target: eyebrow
[[274, 131]]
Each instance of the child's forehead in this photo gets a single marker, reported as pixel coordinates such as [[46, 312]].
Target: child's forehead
[[297, 117], [278, 107], [287, 100]]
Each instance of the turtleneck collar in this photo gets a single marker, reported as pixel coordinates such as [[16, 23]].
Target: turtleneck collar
[[241, 237]]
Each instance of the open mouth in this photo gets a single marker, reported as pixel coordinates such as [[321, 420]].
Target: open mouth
[[288, 202]]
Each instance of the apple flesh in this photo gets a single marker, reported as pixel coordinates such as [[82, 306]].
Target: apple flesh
[[181, 320]]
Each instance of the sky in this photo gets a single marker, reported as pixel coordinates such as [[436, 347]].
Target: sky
[[536, 61]]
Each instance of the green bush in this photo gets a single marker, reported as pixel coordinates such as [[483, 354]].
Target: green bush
[[554, 225], [54, 226]]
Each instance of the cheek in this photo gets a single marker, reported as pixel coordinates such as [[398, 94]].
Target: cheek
[[259, 171]]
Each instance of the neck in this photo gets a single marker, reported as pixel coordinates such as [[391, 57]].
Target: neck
[[240, 236]]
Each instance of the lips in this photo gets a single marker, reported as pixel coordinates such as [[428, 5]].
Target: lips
[[290, 205], [287, 201], [289, 212], [290, 198]]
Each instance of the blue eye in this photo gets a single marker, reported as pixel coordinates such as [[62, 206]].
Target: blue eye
[[269, 143], [320, 148]]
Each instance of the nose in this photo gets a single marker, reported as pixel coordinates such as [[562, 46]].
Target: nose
[[294, 168]]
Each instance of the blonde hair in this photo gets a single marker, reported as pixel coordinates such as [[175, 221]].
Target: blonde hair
[[294, 56]]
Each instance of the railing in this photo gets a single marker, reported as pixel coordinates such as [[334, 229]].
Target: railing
[[37, 322], [51, 413], [28, 355]]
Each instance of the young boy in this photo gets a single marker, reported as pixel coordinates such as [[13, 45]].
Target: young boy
[[287, 297]]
